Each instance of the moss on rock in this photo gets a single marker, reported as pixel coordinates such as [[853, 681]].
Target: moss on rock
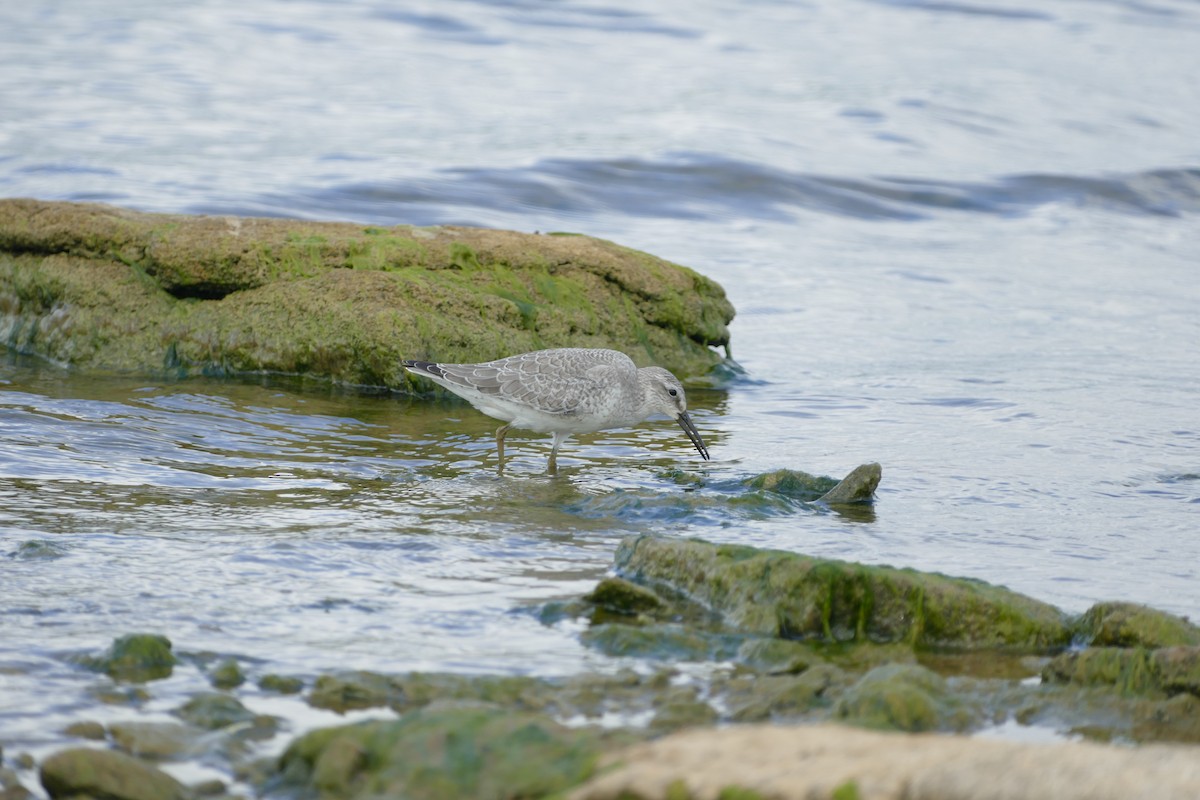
[[798, 597], [904, 697], [428, 754], [98, 287], [84, 772], [136, 657], [1133, 625]]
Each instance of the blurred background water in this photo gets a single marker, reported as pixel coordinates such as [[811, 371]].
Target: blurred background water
[[962, 239]]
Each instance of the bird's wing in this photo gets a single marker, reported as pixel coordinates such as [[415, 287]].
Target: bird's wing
[[551, 381]]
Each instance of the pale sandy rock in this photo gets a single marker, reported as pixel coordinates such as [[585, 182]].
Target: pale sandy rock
[[814, 762]]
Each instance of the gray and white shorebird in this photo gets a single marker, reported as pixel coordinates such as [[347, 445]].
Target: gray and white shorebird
[[565, 391]]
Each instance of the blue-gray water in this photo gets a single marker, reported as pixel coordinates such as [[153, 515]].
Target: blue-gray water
[[962, 238]]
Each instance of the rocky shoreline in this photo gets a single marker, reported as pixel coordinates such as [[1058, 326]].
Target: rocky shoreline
[[791, 658]]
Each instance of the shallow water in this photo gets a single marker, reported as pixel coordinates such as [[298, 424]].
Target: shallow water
[[961, 238]]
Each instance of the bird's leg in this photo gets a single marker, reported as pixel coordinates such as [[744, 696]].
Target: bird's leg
[[559, 438], [500, 432]]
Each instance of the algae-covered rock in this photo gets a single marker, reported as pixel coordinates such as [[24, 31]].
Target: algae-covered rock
[[857, 487], [214, 710], [619, 596], [105, 774], [348, 691], [155, 740], [904, 697], [1132, 671], [86, 729], [435, 753], [793, 483], [1133, 625], [282, 684], [227, 675], [137, 657], [660, 642], [98, 287], [11, 787], [798, 597]]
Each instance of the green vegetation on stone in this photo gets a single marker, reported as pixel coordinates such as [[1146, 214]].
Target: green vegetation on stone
[[97, 287], [137, 657], [799, 597], [430, 754]]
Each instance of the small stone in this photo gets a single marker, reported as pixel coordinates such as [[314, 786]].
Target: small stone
[[106, 774], [86, 730], [283, 684], [227, 675]]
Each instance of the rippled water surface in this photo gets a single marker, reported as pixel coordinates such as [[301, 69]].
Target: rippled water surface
[[962, 239]]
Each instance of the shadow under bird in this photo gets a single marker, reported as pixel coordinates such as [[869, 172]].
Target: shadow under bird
[[564, 391]]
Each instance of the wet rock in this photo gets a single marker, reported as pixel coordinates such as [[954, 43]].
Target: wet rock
[[792, 483], [1174, 720], [37, 549], [108, 775], [442, 752], [227, 675], [752, 698], [11, 787], [1132, 625], [209, 788], [659, 642], [86, 730], [1131, 671], [214, 710], [98, 287], [905, 697], [776, 656], [137, 658], [1178, 669], [682, 708], [357, 690], [793, 596], [619, 596], [857, 487], [155, 740], [829, 761], [282, 684]]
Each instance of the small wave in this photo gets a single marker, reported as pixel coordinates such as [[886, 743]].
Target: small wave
[[705, 187]]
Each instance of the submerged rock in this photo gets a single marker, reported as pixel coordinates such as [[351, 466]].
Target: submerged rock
[[155, 740], [857, 487], [98, 287], [461, 752], [283, 684], [83, 772], [137, 657], [798, 597], [905, 697], [227, 675]]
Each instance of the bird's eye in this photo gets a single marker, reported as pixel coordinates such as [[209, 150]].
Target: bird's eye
[[672, 392]]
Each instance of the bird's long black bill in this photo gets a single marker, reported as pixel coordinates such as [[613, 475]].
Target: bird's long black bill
[[685, 422]]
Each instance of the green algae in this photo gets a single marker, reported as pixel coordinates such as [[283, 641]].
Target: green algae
[[84, 772], [136, 658], [102, 288], [905, 697], [798, 597], [1133, 625], [461, 752], [227, 675]]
